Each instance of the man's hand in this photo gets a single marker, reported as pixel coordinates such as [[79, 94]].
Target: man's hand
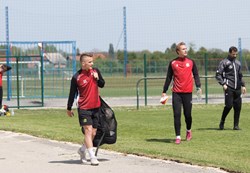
[[243, 90], [95, 74], [225, 87], [70, 113], [199, 91], [164, 99]]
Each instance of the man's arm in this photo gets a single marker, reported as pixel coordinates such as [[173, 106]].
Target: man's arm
[[168, 78], [72, 93], [219, 73], [196, 76], [243, 89], [100, 81]]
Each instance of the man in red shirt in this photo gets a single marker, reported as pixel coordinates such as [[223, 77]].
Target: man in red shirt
[[85, 83], [182, 70]]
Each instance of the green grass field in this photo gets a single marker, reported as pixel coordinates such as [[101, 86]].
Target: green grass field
[[150, 132]]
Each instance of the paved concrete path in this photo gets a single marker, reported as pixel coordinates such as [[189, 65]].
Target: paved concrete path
[[112, 101], [21, 153]]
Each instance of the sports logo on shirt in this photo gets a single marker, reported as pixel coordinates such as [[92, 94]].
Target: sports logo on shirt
[[78, 78], [175, 63], [85, 81], [187, 65]]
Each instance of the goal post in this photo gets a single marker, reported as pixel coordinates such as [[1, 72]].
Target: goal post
[[24, 82], [36, 64], [21, 85]]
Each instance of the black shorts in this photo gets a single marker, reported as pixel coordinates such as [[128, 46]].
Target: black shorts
[[88, 117]]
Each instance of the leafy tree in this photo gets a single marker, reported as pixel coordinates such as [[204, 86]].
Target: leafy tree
[[50, 48], [191, 51], [120, 56], [132, 56], [202, 50], [173, 46], [111, 51], [171, 49], [78, 51]]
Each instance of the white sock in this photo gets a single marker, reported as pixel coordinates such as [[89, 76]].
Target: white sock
[[178, 137], [189, 130], [91, 152], [83, 148]]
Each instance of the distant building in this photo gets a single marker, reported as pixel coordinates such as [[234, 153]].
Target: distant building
[[57, 59]]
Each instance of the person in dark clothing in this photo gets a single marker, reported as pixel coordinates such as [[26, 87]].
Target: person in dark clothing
[[229, 76], [85, 84], [3, 69], [182, 70]]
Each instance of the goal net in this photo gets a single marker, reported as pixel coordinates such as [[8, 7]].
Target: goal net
[[23, 84]]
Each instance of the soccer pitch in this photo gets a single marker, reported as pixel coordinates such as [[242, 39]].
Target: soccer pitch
[[150, 132]]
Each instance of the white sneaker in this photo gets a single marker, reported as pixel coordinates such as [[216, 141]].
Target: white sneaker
[[82, 156], [94, 161]]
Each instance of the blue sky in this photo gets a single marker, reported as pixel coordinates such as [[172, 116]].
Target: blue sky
[[151, 25]]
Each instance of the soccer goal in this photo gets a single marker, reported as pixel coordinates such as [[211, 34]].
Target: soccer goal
[[23, 84]]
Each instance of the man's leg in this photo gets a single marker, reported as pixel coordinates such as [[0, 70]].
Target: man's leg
[[228, 106], [86, 121], [187, 106], [237, 108], [176, 104], [1, 97], [82, 151], [88, 141]]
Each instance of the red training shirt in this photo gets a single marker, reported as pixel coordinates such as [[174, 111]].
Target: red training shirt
[[86, 86], [182, 70]]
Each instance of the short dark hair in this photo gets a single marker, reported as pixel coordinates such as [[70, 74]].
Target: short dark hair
[[85, 55], [233, 49], [6, 67]]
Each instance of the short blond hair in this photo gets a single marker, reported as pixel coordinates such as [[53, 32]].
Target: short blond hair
[[178, 46]]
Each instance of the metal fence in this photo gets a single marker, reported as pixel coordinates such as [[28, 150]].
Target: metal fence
[[39, 70], [212, 92], [53, 80]]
